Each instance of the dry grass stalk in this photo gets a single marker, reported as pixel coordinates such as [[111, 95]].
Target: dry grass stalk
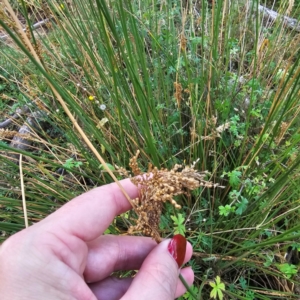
[[283, 129], [157, 187], [290, 7], [177, 94], [183, 42]]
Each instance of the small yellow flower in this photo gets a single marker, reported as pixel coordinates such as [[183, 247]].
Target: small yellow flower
[[91, 98], [62, 6]]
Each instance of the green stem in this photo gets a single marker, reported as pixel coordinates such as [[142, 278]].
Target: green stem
[[187, 287]]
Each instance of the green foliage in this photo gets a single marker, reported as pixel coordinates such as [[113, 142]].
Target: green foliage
[[111, 167], [218, 288], [288, 269], [234, 176], [189, 295], [243, 283], [250, 295], [226, 210], [241, 206], [179, 226], [70, 163]]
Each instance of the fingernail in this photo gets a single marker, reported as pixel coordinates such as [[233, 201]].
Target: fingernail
[[177, 248]]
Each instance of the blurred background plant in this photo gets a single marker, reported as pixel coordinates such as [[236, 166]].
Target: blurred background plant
[[183, 80]]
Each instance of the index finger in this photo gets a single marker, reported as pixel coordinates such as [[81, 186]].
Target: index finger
[[88, 215]]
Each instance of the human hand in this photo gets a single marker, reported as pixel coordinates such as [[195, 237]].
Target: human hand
[[65, 256]]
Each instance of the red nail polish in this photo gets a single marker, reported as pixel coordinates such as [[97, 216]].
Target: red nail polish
[[177, 248]]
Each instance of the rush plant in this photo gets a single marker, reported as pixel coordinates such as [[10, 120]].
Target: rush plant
[[215, 82]]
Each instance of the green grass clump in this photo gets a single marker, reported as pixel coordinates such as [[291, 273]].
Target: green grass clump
[[179, 81]]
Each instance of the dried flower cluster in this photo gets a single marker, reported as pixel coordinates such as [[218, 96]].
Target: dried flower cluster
[[215, 132], [157, 187], [178, 91], [6, 134]]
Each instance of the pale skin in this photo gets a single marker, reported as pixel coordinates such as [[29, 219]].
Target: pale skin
[[66, 256]]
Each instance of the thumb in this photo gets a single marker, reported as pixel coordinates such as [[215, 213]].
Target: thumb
[[158, 276]]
